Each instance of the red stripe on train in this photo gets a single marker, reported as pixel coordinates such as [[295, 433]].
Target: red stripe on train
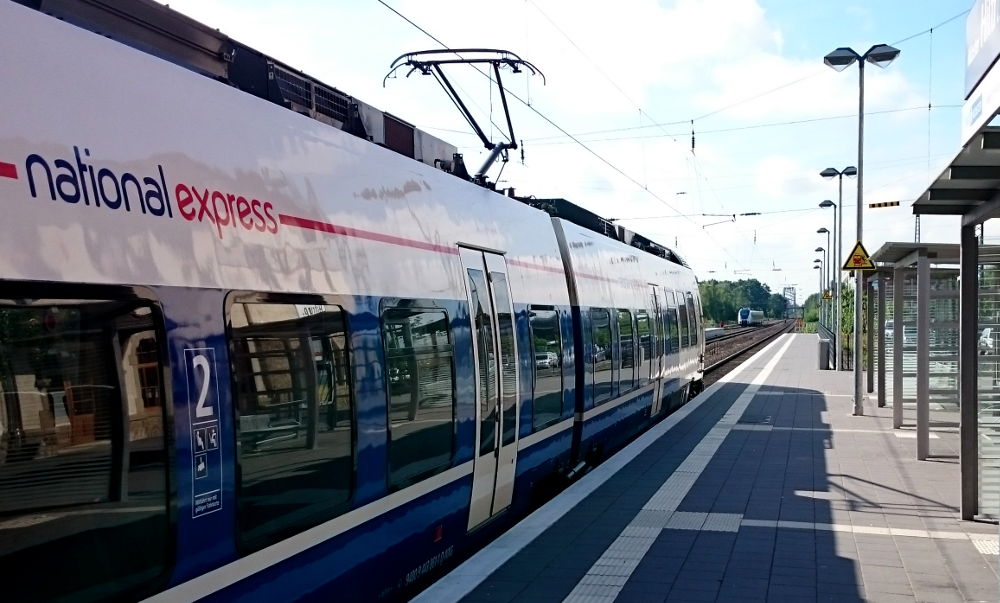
[[363, 234], [8, 170]]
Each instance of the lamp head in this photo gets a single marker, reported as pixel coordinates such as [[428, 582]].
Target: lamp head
[[827, 203], [817, 261], [842, 58], [829, 173], [850, 171], [819, 250], [822, 230], [816, 267], [881, 55]]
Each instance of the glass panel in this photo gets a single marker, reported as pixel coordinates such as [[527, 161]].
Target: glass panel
[[421, 393], [83, 484], [627, 339], [547, 385], [294, 406], [693, 317], [942, 348], [673, 345], [989, 376], [656, 323], [600, 325], [645, 345], [683, 322], [482, 312], [508, 357]]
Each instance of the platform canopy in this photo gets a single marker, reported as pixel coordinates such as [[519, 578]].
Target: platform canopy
[[970, 185], [903, 255]]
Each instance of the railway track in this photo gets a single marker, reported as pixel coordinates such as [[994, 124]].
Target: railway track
[[722, 352]]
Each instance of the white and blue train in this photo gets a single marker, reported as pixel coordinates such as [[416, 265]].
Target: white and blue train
[[747, 317], [245, 354]]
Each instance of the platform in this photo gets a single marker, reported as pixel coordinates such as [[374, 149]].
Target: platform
[[763, 488]]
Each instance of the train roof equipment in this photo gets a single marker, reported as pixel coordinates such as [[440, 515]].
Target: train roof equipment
[[428, 63], [158, 30], [561, 208]]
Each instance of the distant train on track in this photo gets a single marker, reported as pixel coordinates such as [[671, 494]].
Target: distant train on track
[[749, 318], [247, 354]]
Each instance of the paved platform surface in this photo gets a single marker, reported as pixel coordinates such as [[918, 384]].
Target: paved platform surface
[[764, 488]]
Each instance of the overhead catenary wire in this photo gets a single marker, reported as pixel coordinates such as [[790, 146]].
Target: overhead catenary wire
[[621, 172], [542, 141], [759, 95]]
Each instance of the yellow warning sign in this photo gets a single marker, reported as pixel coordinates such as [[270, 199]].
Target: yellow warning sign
[[858, 259], [826, 294]]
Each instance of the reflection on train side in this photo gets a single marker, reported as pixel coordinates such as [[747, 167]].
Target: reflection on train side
[[83, 486]]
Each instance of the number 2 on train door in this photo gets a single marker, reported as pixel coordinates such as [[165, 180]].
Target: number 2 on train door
[[203, 417], [199, 364]]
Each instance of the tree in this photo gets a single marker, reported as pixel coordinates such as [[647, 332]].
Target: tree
[[776, 305], [810, 308]]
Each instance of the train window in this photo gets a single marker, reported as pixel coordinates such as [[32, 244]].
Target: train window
[[626, 337], [656, 325], [482, 311], [693, 317], [547, 383], [84, 494], [683, 321], [672, 334], [508, 356], [421, 388], [600, 329], [644, 364], [294, 417]]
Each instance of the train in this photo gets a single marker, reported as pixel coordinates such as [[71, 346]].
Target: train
[[258, 349], [747, 317]]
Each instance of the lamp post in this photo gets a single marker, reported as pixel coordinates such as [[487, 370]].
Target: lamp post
[[826, 268], [816, 266], [830, 267], [838, 242], [842, 58]]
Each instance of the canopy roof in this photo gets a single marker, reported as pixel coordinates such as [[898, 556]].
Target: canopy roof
[[970, 183]]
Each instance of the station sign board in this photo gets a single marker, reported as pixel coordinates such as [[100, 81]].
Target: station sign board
[[982, 78]]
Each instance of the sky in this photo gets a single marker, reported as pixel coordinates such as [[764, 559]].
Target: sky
[[630, 81]]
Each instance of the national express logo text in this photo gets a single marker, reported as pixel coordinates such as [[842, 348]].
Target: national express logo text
[[78, 181]]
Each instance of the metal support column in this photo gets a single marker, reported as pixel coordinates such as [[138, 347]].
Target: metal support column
[[968, 371], [869, 336], [923, 354], [898, 290], [883, 282]]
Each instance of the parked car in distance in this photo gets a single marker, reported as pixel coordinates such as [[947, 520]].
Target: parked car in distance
[[909, 333], [546, 360], [986, 343]]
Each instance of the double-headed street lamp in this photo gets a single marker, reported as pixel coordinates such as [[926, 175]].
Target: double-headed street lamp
[[829, 273], [842, 58]]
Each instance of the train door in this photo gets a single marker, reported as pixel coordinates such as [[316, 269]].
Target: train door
[[656, 332], [495, 354]]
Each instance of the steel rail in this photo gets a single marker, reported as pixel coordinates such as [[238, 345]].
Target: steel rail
[[764, 335]]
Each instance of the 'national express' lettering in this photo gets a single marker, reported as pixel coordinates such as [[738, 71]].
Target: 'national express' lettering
[[75, 181]]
